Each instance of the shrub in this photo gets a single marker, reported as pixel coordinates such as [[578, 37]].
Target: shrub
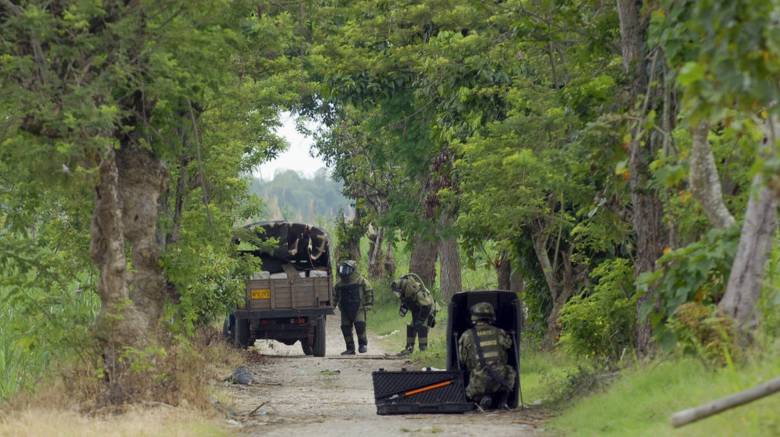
[[699, 329], [697, 272], [600, 323]]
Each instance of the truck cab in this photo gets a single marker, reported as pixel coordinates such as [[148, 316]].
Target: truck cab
[[289, 298]]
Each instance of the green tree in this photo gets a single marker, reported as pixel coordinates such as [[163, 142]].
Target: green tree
[[120, 97]]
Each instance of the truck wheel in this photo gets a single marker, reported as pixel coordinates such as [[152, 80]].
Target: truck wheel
[[307, 348], [241, 338], [319, 338], [227, 327]]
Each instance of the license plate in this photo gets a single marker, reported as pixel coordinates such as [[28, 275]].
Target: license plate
[[260, 293]]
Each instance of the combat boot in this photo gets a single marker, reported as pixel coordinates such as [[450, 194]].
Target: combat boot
[[502, 400], [360, 328], [422, 337], [486, 402], [350, 342], [410, 333]]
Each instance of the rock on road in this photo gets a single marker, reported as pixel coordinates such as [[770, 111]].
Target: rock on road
[[333, 396]]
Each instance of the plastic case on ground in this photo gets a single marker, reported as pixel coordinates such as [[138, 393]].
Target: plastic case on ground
[[431, 392]]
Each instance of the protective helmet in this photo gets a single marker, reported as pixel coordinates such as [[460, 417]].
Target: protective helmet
[[483, 311], [346, 268]]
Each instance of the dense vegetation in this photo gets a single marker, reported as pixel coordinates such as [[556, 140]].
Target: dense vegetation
[[616, 163]]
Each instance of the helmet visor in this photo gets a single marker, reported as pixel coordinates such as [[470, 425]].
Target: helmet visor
[[345, 269]]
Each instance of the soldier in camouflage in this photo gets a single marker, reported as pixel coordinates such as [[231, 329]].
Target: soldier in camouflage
[[484, 350], [416, 298], [353, 297]]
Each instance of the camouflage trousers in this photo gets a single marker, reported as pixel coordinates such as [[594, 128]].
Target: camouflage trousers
[[481, 383]]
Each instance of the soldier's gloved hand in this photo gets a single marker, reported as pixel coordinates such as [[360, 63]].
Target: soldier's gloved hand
[[403, 310]]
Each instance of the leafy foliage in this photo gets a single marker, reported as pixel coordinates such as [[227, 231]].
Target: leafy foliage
[[601, 323], [695, 273]]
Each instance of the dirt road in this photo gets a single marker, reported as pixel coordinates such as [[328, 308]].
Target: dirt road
[[332, 396]]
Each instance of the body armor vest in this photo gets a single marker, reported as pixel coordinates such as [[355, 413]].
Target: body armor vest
[[486, 338], [491, 355], [349, 302]]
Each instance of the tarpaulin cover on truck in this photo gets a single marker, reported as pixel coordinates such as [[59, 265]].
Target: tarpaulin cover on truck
[[304, 246]]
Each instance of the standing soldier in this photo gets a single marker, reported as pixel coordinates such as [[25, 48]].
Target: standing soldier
[[353, 297], [484, 351], [417, 299]]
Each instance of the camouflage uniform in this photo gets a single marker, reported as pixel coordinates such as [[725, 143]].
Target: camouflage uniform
[[417, 299], [353, 296], [490, 374]]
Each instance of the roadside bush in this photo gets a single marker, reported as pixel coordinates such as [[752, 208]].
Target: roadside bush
[[697, 273], [600, 323], [702, 331]]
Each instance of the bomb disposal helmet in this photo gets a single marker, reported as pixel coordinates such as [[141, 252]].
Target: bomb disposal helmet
[[483, 311], [347, 268]]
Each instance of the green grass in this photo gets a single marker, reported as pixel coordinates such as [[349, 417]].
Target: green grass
[[641, 401]]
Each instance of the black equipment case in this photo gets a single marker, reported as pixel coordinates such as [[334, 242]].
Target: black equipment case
[[508, 317], [437, 392]]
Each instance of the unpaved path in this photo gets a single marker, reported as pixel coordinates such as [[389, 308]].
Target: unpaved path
[[333, 396]]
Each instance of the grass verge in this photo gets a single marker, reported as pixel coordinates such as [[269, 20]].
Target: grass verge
[[60, 403], [640, 402]]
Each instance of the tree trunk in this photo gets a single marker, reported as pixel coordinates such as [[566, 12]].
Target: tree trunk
[[504, 271], [119, 324], [559, 293], [755, 244], [632, 36], [647, 211], [389, 259], [141, 182], [451, 282], [375, 262], [516, 283], [704, 180], [423, 259], [125, 223]]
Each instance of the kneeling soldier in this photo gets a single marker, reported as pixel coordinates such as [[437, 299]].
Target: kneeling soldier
[[353, 297], [484, 351]]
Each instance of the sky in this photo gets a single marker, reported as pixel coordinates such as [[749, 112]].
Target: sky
[[297, 156]]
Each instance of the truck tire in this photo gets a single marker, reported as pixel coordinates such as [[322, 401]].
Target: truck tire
[[319, 338], [241, 338], [307, 348]]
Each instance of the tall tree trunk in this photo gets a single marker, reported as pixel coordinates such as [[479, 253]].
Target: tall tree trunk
[[451, 282], [755, 244], [125, 223], [561, 289], [504, 271], [516, 282], [375, 262], [142, 180], [647, 210], [389, 259], [704, 180], [423, 258], [119, 324]]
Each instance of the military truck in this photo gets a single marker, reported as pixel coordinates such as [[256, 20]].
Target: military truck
[[289, 298]]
